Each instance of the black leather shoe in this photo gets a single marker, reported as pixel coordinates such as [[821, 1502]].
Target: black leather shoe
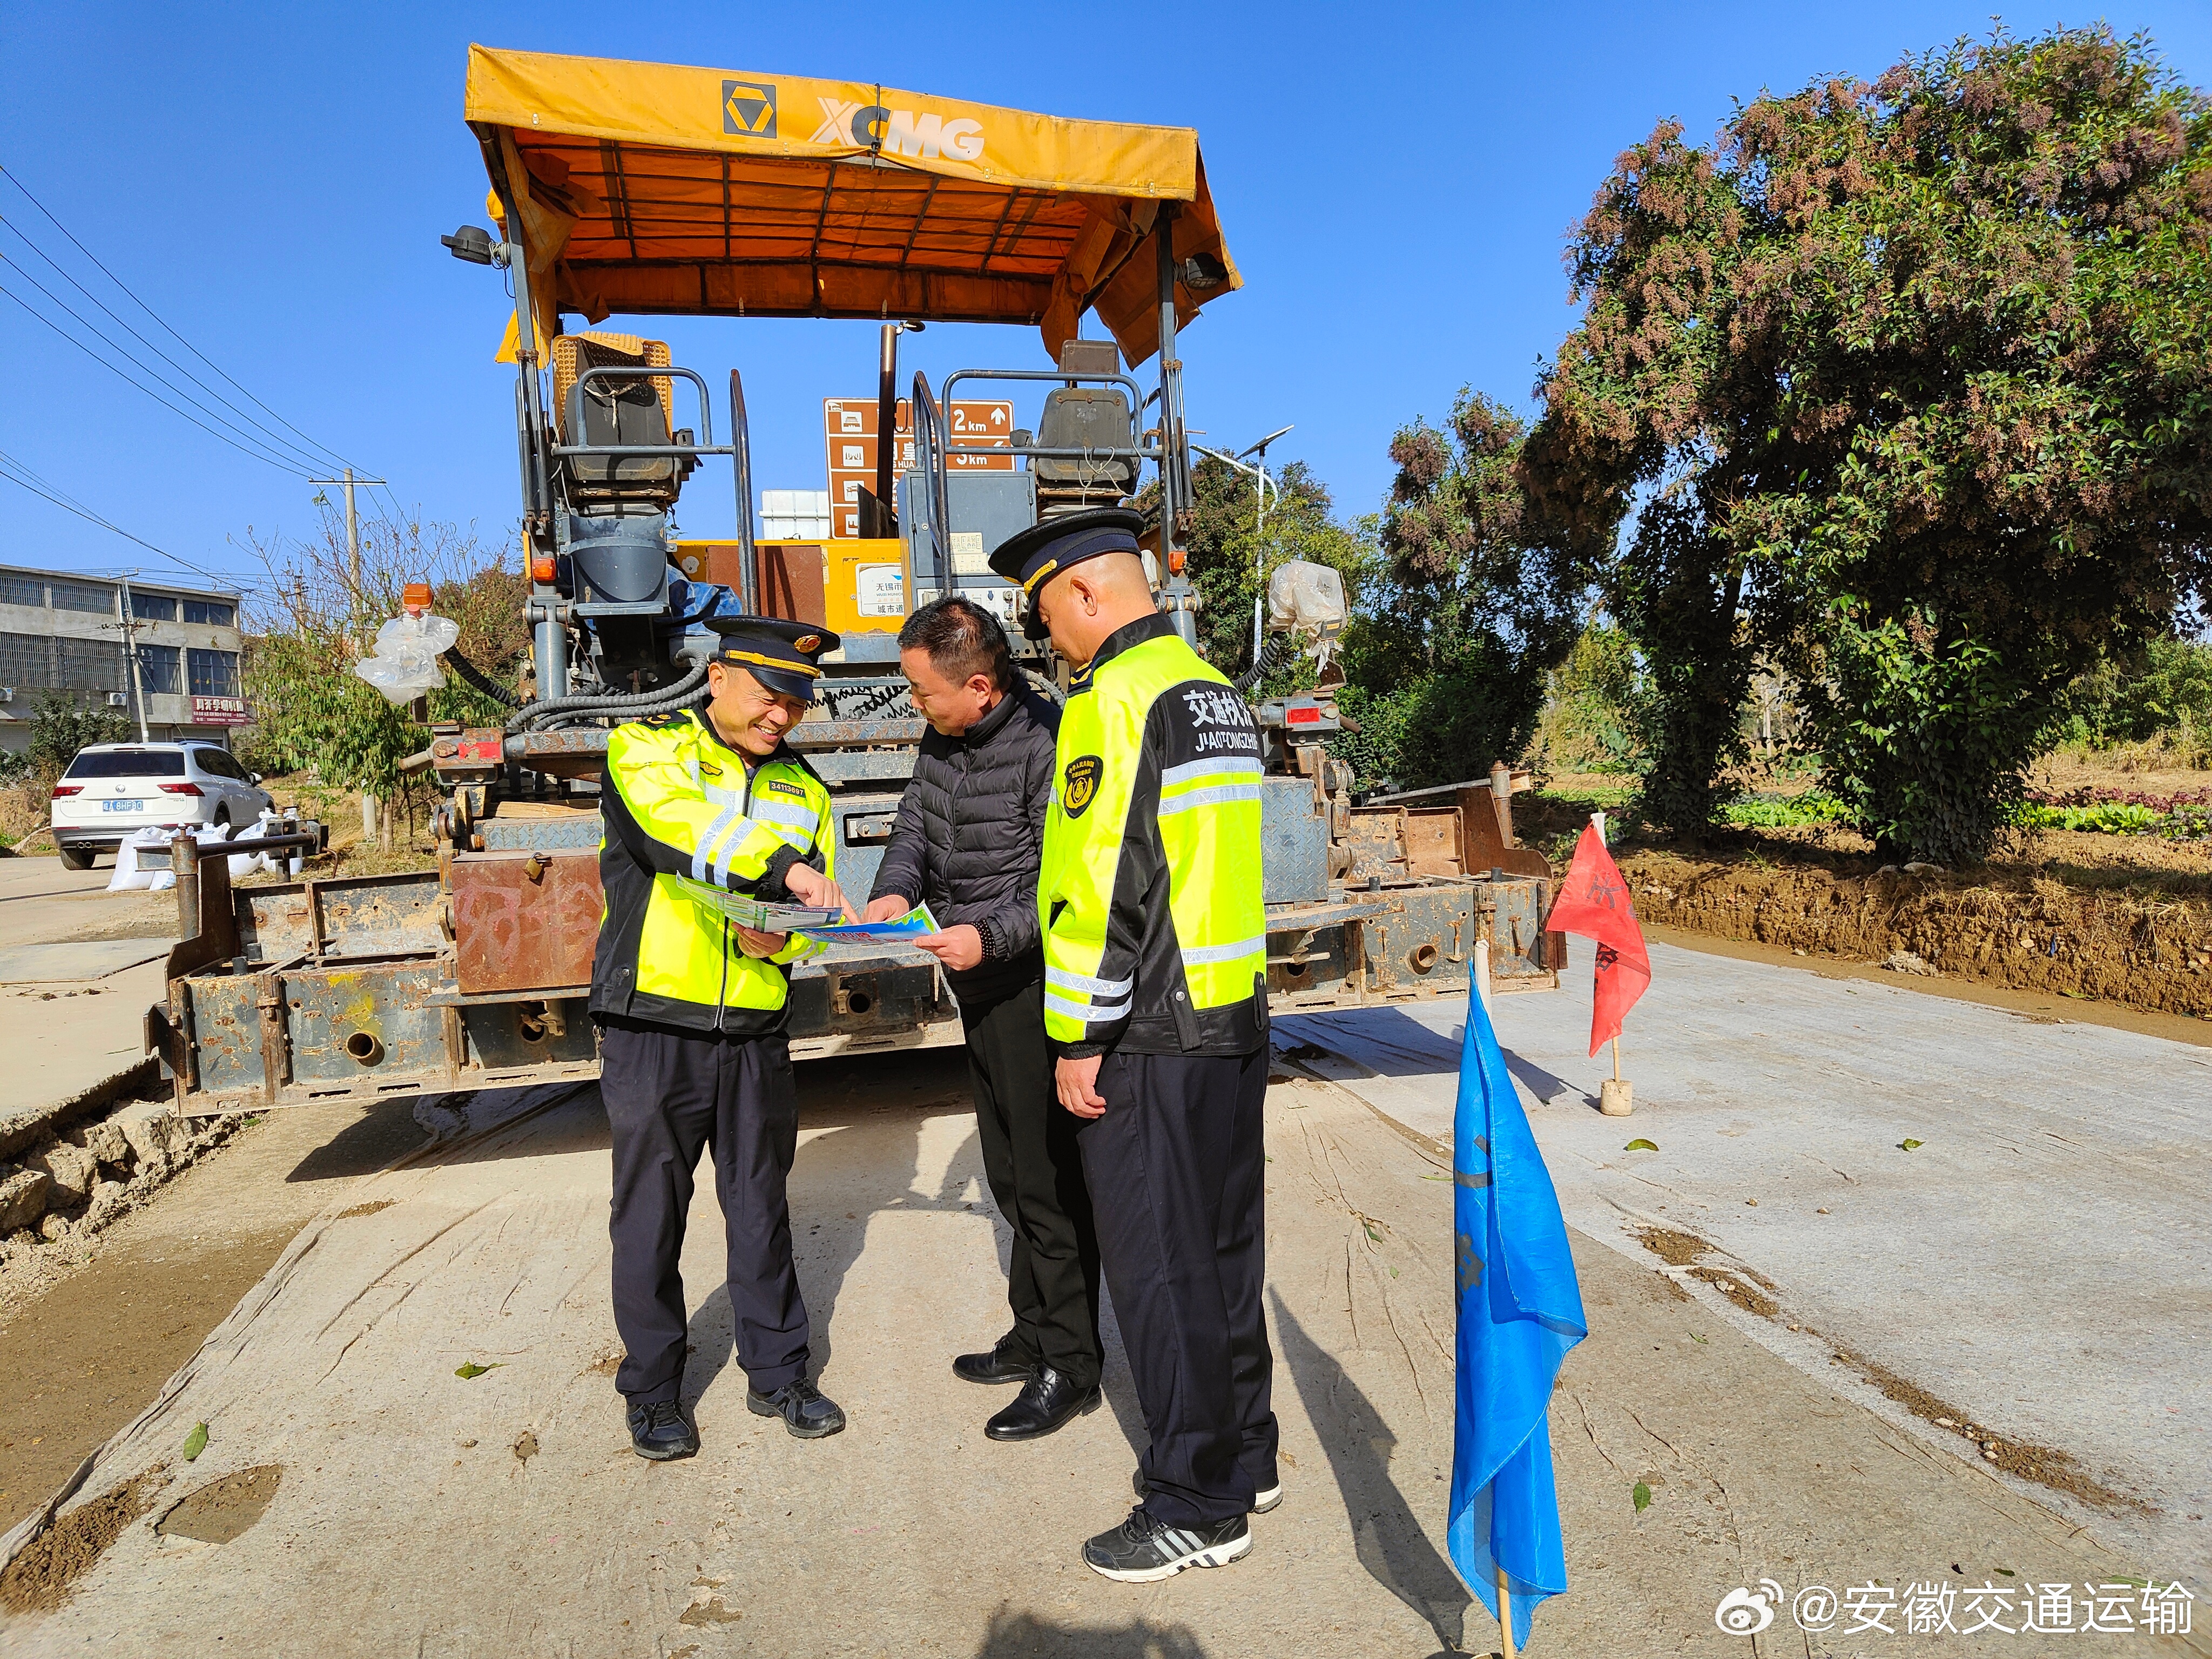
[[801, 1406], [1001, 1364], [661, 1431], [1046, 1402]]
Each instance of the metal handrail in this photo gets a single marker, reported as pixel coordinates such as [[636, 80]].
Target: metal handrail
[[929, 452], [1142, 451], [611, 371]]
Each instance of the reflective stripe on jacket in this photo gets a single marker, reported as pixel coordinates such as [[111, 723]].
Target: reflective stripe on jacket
[[681, 805], [1156, 932]]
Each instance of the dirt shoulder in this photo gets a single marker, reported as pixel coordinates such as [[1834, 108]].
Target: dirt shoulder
[[2119, 920], [88, 1348]]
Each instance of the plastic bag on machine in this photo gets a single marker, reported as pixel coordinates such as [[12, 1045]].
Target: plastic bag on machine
[[1305, 597], [405, 666]]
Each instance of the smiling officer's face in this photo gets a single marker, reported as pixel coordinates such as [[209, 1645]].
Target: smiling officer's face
[[748, 715]]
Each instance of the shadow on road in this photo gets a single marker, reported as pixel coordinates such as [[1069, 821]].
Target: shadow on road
[[874, 1107], [1388, 1541], [384, 1131], [1026, 1636]]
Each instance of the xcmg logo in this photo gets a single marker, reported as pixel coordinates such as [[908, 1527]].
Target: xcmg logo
[[919, 134], [749, 108]]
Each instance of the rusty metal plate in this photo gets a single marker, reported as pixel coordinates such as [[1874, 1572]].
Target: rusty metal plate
[[358, 916], [1432, 840], [523, 920]]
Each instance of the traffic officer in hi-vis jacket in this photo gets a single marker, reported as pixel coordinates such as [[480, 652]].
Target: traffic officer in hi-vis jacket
[[1155, 951], [690, 1011]]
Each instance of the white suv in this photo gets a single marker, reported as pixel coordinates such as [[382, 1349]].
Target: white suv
[[112, 789]]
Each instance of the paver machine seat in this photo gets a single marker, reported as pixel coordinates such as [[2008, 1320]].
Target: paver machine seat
[[618, 409], [1097, 419]]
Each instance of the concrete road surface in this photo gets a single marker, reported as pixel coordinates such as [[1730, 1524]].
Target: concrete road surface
[[2037, 1263], [40, 904], [370, 1501], [78, 968]]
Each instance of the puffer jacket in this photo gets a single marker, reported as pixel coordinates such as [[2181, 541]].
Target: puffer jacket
[[969, 838]]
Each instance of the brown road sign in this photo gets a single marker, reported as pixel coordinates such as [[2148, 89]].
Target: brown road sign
[[848, 430]]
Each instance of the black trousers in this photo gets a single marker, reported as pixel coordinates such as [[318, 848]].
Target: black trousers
[[1177, 1175], [668, 1095], [1036, 1172]]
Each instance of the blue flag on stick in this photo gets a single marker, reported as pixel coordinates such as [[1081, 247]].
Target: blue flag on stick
[[1520, 1310]]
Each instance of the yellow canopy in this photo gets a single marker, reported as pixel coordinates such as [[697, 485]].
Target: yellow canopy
[[653, 189]]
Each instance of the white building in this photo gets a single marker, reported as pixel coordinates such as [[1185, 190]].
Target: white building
[[63, 632]]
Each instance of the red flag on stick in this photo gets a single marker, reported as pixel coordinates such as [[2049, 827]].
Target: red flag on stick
[[1594, 902]]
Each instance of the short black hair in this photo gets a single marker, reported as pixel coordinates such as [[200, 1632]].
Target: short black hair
[[963, 640]]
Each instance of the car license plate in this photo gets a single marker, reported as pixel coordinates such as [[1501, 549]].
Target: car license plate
[[122, 806]]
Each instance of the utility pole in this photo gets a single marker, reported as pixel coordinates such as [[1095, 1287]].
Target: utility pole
[[368, 803], [129, 629], [353, 525]]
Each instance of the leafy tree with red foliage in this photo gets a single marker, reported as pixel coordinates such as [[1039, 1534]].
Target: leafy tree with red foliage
[[1910, 385]]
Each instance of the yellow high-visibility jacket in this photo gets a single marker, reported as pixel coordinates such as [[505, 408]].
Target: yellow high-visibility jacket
[[1155, 928], [680, 804]]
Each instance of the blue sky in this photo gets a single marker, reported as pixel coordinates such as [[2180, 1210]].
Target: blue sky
[[1396, 182]]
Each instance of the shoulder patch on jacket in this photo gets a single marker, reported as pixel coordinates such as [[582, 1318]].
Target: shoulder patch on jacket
[[1079, 784]]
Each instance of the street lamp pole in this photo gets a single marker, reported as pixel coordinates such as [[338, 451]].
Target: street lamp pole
[[1261, 483]]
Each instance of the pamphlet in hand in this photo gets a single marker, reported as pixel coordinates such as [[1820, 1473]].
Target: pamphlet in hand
[[746, 911], [916, 923]]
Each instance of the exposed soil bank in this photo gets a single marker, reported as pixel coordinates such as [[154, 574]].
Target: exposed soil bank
[[2150, 950]]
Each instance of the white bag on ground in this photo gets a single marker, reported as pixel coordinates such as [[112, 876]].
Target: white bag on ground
[[128, 877], [405, 664]]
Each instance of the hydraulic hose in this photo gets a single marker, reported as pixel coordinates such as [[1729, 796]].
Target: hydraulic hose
[[659, 702], [1279, 654], [482, 682]]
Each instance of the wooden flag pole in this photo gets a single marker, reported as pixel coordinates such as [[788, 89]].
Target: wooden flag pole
[[1616, 1095], [1504, 1614]]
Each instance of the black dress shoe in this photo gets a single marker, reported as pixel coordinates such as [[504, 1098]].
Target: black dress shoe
[[1004, 1363], [661, 1431], [801, 1406], [1047, 1401]]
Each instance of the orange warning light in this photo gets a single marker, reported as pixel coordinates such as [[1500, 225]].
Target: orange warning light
[[541, 569]]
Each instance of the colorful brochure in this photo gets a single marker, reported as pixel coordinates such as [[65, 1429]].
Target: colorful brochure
[[898, 930]]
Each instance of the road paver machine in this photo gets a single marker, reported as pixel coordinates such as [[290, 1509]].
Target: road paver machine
[[637, 190]]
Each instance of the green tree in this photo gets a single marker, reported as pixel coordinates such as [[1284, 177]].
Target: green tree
[[1474, 600], [311, 710], [1227, 540], [61, 725], [1907, 385]]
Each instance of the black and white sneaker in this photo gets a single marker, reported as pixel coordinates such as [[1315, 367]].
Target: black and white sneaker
[[1264, 1499], [1143, 1550]]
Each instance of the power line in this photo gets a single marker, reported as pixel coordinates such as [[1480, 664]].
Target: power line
[[21, 475], [213, 402], [296, 471], [260, 437], [18, 183], [258, 448]]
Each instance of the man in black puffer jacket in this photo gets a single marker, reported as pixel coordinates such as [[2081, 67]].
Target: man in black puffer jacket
[[968, 842]]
